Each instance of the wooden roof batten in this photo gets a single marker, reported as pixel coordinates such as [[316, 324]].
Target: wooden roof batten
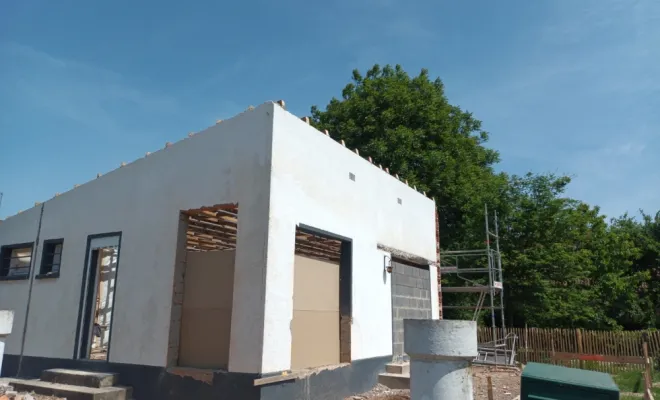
[[212, 228], [215, 228], [317, 247]]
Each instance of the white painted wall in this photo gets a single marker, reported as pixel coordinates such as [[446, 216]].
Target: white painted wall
[[229, 162], [310, 184], [235, 161], [435, 298], [21, 228]]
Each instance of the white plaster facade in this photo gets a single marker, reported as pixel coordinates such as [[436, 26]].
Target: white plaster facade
[[282, 172]]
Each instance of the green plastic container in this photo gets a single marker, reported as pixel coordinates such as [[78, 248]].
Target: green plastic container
[[552, 382]]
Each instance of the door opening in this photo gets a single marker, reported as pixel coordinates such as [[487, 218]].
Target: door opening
[[98, 295]]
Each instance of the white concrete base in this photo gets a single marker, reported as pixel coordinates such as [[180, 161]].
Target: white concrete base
[[440, 353], [440, 380], [6, 324], [2, 350]]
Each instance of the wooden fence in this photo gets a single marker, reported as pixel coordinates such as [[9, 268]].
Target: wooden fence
[[620, 350]]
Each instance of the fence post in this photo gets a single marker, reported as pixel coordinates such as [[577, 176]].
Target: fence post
[[526, 345], [648, 377], [552, 344], [578, 337]]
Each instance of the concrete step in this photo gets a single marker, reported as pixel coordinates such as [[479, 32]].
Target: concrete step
[[394, 381], [398, 368], [71, 392], [79, 378]]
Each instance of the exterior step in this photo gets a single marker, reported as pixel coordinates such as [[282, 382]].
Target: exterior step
[[394, 381], [79, 378], [402, 368], [71, 392]]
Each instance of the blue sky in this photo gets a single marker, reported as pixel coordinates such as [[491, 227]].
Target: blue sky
[[565, 86]]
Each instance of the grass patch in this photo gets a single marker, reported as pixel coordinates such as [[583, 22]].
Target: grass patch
[[630, 381], [633, 382], [655, 391]]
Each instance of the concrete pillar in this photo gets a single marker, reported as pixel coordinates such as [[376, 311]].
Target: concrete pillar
[[440, 354], [249, 327], [6, 323]]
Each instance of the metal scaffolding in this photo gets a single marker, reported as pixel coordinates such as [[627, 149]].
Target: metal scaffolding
[[502, 350]]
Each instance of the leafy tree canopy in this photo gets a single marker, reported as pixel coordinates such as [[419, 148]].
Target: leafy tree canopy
[[408, 125], [564, 265]]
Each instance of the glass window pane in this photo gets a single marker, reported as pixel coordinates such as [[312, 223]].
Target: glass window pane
[[26, 252], [56, 258], [20, 262], [58, 248], [18, 271]]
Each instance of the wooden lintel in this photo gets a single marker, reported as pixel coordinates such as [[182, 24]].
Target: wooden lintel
[[286, 376]]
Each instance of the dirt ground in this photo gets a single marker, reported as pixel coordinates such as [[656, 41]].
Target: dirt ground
[[7, 393], [506, 386], [27, 396]]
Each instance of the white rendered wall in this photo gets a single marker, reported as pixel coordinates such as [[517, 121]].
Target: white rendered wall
[[435, 295], [227, 163], [13, 294], [310, 185]]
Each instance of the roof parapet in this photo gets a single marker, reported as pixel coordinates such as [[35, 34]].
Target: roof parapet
[[282, 104]]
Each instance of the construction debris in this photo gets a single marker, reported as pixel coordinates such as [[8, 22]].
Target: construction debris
[[7, 392], [506, 386]]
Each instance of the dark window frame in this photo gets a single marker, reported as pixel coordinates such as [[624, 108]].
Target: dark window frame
[[48, 262], [5, 254]]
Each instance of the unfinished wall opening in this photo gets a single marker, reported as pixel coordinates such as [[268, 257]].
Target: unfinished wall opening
[[98, 296], [320, 329], [203, 287]]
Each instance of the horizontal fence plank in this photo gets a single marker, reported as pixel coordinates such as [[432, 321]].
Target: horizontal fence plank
[[605, 351], [597, 357]]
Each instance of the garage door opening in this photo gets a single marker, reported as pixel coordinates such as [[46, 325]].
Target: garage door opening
[[321, 325], [203, 288]]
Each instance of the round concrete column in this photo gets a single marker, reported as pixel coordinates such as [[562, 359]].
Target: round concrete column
[[440, 354]]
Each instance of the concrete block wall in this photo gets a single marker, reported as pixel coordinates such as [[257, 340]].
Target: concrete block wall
[[411, 299]]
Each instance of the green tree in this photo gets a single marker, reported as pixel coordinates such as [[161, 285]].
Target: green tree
[[564, 266], [640, 308], [408, 125], [547, 265]]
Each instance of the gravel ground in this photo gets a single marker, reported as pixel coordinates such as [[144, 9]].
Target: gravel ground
[[506, 386]]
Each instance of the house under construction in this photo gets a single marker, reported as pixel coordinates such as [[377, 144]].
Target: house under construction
[[257, 259]]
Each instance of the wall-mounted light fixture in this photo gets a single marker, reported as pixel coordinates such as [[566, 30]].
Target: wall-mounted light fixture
[[387, 264]]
